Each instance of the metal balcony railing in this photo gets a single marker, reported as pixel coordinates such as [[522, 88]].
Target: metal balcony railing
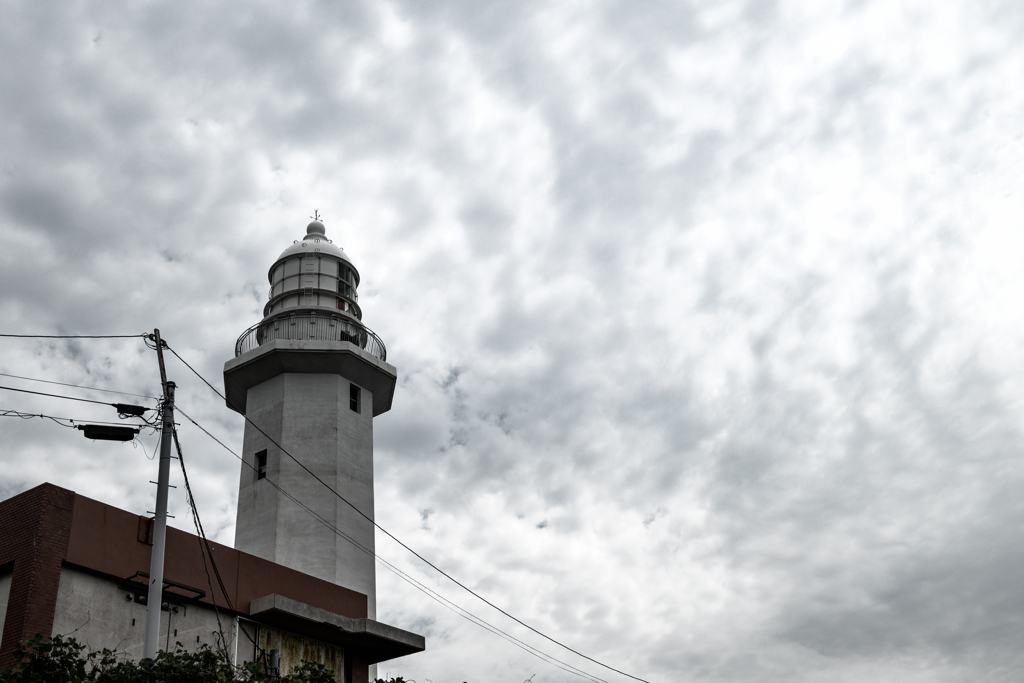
[[313, 327]]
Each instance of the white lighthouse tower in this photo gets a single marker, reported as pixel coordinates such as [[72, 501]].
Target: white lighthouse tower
[[312, 377]]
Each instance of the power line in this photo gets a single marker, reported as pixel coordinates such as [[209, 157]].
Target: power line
[[396, 540], [204, 549], [121, 408], [59, 420], [198, 522], [74, 336], [435, 596], [69, 398], [202, 533], [29, 416], [79, 386]]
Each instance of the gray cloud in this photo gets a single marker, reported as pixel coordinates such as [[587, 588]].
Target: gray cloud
[[704, 313]]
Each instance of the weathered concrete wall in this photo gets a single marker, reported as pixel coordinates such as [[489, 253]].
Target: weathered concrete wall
[[101, 614], [256, 523], [246, 641], [296, 649], [5, 593], [309, 415]]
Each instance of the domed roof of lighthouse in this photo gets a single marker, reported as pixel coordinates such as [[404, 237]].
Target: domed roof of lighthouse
[[315, 241]]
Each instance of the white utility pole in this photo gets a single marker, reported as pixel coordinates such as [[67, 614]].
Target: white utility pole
[[156, 563]]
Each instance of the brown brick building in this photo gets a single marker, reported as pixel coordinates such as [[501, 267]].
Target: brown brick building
[[72, 564]]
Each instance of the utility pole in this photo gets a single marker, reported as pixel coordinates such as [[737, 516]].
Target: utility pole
[[156, 563]]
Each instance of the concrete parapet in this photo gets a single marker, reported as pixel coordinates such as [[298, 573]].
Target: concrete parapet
[[308, 356], [376, 641]]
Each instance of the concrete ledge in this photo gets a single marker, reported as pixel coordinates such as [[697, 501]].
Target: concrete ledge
[[369, 639], [322, 357]]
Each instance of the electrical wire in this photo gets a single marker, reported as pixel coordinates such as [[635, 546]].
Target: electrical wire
[[74, 336], [396, 540], [199, 527], [416, 584], [138, 441], [29, 416], [59, 420], [79, 386], [123, 410], [69, 398], [437, 597], [207, 551], [204, 549]]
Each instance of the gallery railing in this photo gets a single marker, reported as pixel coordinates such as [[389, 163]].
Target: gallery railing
[[313, 327]]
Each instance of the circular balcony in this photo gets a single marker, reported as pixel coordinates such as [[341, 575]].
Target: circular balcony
[[313, 327]]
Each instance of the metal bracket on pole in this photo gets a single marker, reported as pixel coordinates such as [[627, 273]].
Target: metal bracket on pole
[[156, 564]]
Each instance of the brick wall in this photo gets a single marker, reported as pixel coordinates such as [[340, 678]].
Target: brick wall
[[45, 527], [34, 530]]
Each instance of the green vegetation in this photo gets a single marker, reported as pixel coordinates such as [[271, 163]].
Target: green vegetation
[[64, 660]]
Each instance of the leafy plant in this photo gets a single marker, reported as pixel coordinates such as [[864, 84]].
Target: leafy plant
[[64, 660], [43, 660]]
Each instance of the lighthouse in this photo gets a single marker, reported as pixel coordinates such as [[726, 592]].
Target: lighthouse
[[311, 377]]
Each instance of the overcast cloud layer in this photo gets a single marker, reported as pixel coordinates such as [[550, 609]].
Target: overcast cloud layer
[[706, 314]]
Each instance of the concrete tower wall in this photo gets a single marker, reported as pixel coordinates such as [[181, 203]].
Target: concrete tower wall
[[292, 377], [310, 415]]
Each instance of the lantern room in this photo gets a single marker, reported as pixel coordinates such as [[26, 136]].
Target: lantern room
[[314, 273]]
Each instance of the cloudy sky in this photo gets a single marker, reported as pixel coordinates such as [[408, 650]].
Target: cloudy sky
[[706, 314]]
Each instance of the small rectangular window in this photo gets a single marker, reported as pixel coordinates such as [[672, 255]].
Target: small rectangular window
[[353, 397], [261, 465]]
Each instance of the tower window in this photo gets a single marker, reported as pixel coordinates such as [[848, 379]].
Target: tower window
[[261, 465], [353, 397]]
